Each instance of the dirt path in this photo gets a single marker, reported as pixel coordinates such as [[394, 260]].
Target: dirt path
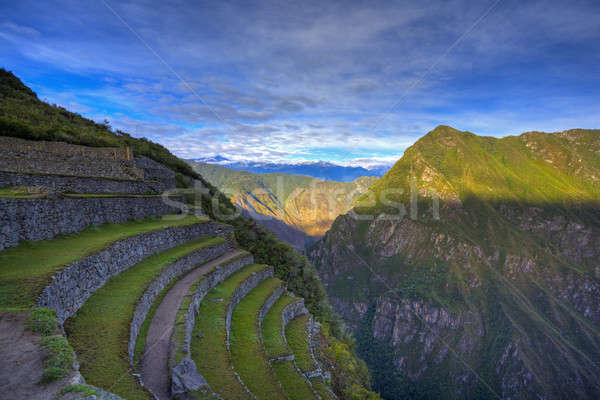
[[22, 361], [155, 372]]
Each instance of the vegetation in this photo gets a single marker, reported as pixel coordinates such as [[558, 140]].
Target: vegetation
[[27, 268], [99, 331], [209, 337], [247, 353], [297, 335], [59, 358], [84, 390], [272, 334], [43, 321], [293, 384]]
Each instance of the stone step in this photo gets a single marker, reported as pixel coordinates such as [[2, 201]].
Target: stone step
[[247, 353], [103, 330], [208, 358]]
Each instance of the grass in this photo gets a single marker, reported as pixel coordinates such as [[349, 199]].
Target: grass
[[296, 333], [84, 390], [12, 192], [99, 331], [43, 321], [321, 389], [27, 268], [294, 385], [58, 361], [209, 350], [247, 353], [272, 336]]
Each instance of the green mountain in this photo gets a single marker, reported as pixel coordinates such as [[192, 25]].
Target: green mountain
[[471, 269], [298, 208]]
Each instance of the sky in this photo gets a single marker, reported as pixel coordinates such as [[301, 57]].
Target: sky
[[349, 82]]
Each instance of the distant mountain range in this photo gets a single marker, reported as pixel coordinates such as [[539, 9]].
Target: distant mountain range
[[320, 169], [297, 208]]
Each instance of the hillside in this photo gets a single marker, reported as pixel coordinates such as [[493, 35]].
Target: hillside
[[302, 203], [476, 274], [104, 263]]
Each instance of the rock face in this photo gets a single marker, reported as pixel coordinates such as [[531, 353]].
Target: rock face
[[496, 296], [74, 284], [45, 218]]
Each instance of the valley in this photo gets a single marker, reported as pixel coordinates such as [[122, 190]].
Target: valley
[[298, 208]]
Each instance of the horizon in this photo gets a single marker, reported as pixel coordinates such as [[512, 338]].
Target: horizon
[[308, 89]]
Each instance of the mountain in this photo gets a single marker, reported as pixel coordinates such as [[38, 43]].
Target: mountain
[[297, 208], [321, 169], [476, 271]]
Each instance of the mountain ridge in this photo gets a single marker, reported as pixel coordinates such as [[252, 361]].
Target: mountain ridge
[[497, 294]]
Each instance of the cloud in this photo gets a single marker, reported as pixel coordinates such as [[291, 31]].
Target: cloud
[[348, 81]]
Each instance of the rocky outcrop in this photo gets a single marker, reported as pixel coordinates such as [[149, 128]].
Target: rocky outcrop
[[77, 281], [45, 218]]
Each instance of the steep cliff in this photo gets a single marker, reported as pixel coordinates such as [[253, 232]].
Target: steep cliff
[[471, 269]]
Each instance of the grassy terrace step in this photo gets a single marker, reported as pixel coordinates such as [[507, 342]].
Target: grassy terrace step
[[296, 333], [272, 337], [294, 384], [99, 331], [28, 267], [247, 353], [209, 350], [321, 389]]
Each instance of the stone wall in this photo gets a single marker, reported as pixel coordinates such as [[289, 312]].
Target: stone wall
[[64, 149], [177, 268], [264, 309], [74, 284], [75, 184], [60, 158], [45, 218], [241, 291], [290, 312], [154, 171]]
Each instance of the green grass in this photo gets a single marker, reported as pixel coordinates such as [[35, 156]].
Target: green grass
[[296, 333], [43, 321], [99, 331], [58, 361], [210, 350], [321, 389], [12, 192], [84, 390], [27, 268], [247, 353], [272, 336], [294, 385]]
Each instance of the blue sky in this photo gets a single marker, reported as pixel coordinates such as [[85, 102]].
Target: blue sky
[[349, 82]]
